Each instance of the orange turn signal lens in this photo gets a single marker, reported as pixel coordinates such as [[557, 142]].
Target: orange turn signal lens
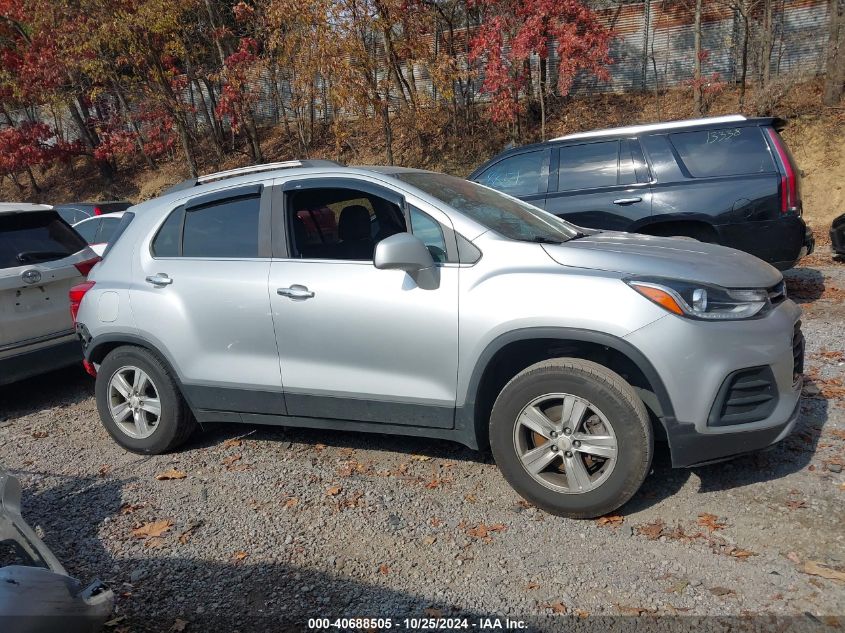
[[660, 297]]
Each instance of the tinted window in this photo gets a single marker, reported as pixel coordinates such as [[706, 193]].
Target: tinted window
[[224, 229], [508, 217], [107, 229], [428, 230], [518, 175], [725, 152], [72, 215], [35, 236], [166, 242], [88, 230], [588, 166]]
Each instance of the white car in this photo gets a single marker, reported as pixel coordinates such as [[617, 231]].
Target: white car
[[98, 230]]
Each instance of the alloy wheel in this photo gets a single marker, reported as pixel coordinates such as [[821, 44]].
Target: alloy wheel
[[134, 402]]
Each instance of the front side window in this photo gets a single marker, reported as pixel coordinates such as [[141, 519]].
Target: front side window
[[517, 175], [428, 230], [507, 216], [588, 166], [724, 152], [340, 223]]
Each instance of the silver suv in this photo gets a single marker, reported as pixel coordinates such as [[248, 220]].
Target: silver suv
[[403, 301], [41, 258]]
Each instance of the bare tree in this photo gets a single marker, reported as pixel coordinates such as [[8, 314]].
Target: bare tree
[[698, 105], [833, 85]]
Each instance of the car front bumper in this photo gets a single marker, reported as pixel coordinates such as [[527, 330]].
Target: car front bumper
[[694, 359], [36, 593]]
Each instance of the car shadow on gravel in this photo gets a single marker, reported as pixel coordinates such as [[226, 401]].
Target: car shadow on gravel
[[804, 284], [62, 387]]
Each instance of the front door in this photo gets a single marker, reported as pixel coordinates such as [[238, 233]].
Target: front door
[[355, 342]]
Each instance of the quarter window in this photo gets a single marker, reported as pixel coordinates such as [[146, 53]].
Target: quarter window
[[588, 166], [518, 175], [724, 152], [428, 230]]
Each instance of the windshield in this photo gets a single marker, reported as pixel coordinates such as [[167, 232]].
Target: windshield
[[507, 216]]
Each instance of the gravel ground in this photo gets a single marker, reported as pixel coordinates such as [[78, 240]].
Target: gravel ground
[[270, 526]]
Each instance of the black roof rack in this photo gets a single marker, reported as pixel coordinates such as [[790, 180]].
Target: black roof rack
[[252, 169]]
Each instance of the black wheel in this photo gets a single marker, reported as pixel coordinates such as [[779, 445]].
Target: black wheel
[[139, 402], [572, 437]]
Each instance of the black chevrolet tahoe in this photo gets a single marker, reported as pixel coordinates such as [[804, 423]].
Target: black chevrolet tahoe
[[729, 180]]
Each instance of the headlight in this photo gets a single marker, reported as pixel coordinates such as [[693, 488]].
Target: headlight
[[702, 301]]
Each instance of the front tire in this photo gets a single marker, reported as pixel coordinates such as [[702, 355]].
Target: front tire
[[139, 402], [572, 437]]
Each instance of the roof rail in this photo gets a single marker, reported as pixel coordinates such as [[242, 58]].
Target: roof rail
[[653, 127], [252, 169]]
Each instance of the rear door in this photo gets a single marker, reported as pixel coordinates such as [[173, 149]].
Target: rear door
[[600, 184], [38, 251]]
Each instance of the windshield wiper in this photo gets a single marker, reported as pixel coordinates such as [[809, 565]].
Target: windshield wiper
[[27, 257], [542, 239]]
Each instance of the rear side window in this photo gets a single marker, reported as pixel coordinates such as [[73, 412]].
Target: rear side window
[[588, 166], [36, 236], [517, 175], [723, 152]]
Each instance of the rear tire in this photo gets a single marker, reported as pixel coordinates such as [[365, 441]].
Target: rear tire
[[139, 402], [581, 427]]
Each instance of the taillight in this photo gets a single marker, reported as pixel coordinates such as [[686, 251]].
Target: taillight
[[788, 181], [75, 295], [98, 211], [85, 267]]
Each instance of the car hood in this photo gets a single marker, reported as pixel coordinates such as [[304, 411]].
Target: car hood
[[671, 257]]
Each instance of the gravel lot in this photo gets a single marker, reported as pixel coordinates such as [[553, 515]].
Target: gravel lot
[[272, 526]]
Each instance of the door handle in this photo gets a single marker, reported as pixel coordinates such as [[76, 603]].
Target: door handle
[[159, 280], [296, 291], [627, 200]]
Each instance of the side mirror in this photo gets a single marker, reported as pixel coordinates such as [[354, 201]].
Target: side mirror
[[402, 251]]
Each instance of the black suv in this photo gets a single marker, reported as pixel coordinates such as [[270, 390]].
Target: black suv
[[729, 180]]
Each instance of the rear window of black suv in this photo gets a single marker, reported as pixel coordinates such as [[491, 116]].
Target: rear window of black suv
[[32, 237], [724, 152]]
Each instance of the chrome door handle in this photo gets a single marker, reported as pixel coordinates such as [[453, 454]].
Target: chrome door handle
[[159, 280], [296, 291], [627, 200]]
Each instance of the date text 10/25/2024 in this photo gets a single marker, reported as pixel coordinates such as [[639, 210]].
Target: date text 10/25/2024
[[415, 624]]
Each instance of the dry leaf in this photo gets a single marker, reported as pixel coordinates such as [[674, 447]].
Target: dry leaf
[[794, 558], [239, 555], [153, 529], [533, 585], [795, 504], [721, 591], [384, 569], [185, 536], [179, 625], [556, 607], [129, 508], [421, 458], [333, 491], [154, 542], [39, 434], [171, 474], [742, 554], [290, 502], [104, 470], [581, 613], [613, 520], [319, 447], [435, 522], [431, 612], [651, 531], [470, 498], [710, 521], [817, 568], [429, 540], [232, 442], [228, 461], [678, 587]]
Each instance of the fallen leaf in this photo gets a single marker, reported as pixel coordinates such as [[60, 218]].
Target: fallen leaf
[[795, 504], [435, 522], [129, 508], [179, 625], [239, 555], [290, 502], [794, 558], [651, 531], [581, 613], [678, 587], [842, 486], [742, 554], [104, 470], [470, 498], [232, 442], [482, 531], [421, 458], [186, 536], [431, 612], [228, 461], [533, 585], [153, 529], [817, 568], [171, 474], [710, 521], [333, 491], [429, 540], [39, 434], [721, 591], [384, 569], [155, 541], [319, 447], [613, 520], [556, 607]]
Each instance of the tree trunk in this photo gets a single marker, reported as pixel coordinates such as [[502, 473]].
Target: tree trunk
[[743, 70], [835, 65], [697, 103], [543, 98], [86, 135], [767, 43]]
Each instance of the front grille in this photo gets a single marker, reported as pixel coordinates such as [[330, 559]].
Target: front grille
[[746, 395], [797, 352], [777, 293]]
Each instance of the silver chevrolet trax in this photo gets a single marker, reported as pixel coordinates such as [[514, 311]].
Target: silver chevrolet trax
[[403, 301]]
